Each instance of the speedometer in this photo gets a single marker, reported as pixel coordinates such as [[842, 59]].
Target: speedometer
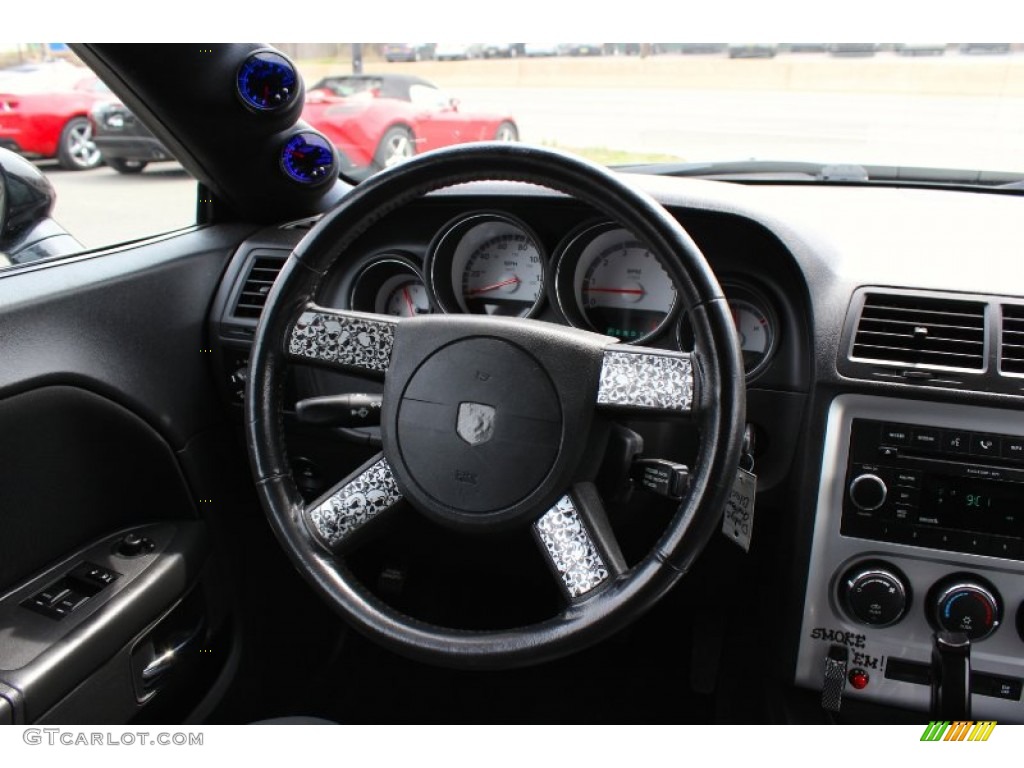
[[618, 286], [487, 264]]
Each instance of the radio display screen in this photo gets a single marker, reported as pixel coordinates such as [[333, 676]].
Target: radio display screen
[[971, 504]]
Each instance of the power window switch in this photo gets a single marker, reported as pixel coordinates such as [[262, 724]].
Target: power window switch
[[68, 603]]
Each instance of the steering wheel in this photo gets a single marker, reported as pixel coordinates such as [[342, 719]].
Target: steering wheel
[[486, 421]]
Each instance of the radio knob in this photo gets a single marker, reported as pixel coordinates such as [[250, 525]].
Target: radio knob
[[868, 492], [875, 594], [967, 605]]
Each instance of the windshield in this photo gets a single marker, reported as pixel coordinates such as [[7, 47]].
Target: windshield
[[933, 105], [904, 112]]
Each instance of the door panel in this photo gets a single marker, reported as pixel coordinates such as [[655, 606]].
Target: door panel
[[107, 401]]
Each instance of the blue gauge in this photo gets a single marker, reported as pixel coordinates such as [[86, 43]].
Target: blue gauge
[[308, 158], [267, 82]]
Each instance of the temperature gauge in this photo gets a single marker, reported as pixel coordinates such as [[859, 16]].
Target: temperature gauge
[[755, 325]]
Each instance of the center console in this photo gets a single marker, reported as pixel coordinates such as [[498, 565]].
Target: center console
[[919, 529]]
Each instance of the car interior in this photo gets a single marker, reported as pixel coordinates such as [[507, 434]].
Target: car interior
[[389, 452]]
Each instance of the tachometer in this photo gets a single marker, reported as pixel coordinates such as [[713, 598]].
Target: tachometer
[[612, 283], [404, 297], [487, 264]]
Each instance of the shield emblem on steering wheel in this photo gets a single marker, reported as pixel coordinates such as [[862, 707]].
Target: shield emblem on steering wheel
[[475, 423]]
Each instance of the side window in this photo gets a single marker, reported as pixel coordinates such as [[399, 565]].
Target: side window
[[429, 97], [111, 179]]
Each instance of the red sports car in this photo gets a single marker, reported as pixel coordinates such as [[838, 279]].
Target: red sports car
[[379, 120], [44, 112]]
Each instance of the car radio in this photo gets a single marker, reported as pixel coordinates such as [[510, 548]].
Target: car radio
[[948, 489]]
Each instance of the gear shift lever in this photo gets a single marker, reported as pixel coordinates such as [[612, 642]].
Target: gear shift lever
[[951, 676]]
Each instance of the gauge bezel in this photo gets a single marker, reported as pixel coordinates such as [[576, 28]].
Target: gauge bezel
[[374, 274], [739, 290], [566, 265], [444, 287], [276, 108]]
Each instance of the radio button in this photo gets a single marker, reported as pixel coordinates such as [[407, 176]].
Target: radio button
[[902, 514], [954, 441], [926, 439], [985, 445], [895, 434], [908, 478], [1013, 448], [907, 497]]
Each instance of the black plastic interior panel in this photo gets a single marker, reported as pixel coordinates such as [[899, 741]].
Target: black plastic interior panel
[[44, 659], [128, 323], [76, 466]]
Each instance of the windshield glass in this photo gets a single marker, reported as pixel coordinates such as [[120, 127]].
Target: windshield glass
[[934, 105], [935, 112]]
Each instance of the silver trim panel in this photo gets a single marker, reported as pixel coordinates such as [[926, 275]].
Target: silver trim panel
[[911, 638], [648, 379]]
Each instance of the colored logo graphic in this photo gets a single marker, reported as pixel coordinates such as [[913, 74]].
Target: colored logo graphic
[[960, 730]]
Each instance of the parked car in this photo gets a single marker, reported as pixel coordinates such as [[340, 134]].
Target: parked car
[[581, 49], [379, 120], [920, 49], [541, 49], [752, 50], [409, 51], [990, 48], [458, 51], [44, 113], [127, 145]]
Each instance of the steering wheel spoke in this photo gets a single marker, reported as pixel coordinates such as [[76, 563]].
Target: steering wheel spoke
[[343, 514], [353, 341], [578, 543], [644, 380]]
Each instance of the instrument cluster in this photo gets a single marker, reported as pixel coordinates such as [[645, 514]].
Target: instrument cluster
[[599, 277]]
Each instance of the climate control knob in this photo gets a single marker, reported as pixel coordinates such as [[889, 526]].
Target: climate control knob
[[874, 593], [868, 492], [966, 604]]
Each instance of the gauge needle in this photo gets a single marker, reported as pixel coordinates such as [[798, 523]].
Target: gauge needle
[[408, 302], [486, 288], [628, 291]]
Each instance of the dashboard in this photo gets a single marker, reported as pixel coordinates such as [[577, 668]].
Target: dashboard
[[859, 322]]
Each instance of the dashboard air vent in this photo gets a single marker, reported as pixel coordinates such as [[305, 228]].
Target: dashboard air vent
[[1011, 357], [258, 282], [920, 330]]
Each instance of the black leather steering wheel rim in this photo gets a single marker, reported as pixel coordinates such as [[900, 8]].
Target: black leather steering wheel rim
[[719, 408]]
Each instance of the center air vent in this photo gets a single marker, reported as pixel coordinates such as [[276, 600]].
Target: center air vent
[[263, 271], [914, 330], [1011, 357]]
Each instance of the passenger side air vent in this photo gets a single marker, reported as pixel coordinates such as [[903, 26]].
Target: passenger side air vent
[[1011, 355], [262, 273], [916, 330]]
